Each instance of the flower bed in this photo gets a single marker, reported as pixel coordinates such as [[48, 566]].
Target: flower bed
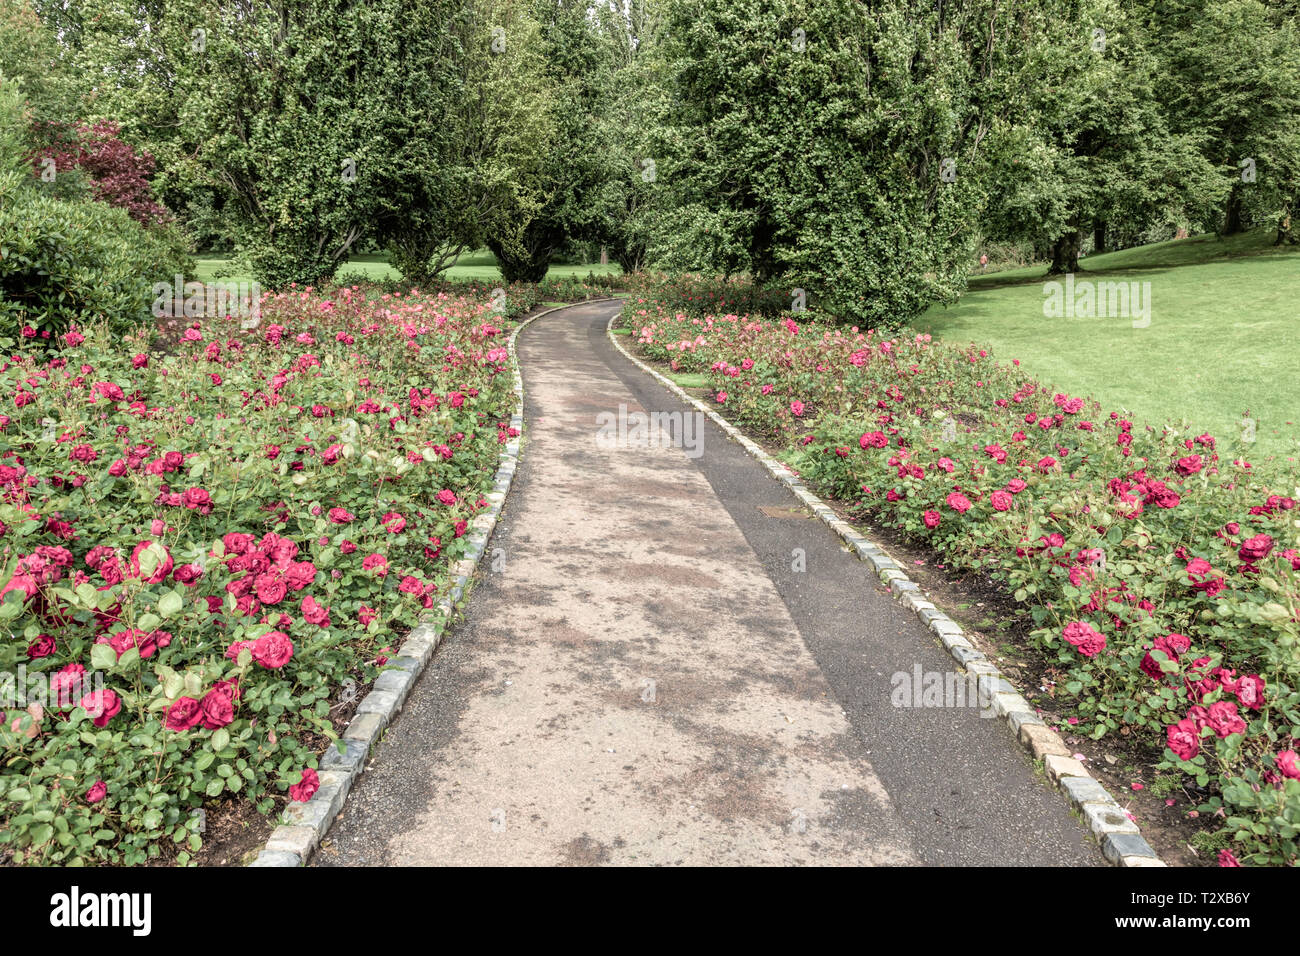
[[202, 547], [1157, 568]]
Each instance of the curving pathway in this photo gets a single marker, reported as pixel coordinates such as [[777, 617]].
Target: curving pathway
[[646, 675]]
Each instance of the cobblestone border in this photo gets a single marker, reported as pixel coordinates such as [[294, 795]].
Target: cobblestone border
[[1118, 836], [304, 825]]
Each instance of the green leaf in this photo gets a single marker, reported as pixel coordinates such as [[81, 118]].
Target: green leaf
[[170, 604], [103, 657], [220, 739]]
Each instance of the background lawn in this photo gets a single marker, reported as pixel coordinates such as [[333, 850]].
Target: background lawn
[[1222, 342], [480, 264]]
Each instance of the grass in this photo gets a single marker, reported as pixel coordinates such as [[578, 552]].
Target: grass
[[1221, 343], [480, 264]]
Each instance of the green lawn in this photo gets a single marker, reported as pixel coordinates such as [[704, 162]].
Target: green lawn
[[474, 265], [1221, 342]]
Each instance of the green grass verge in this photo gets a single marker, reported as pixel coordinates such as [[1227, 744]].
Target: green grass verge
[[1220, 344]]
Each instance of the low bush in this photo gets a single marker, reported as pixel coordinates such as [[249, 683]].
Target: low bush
[[201, 547]]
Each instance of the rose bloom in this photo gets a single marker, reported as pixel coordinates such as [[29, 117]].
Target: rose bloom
[[958, 502], [447, 497], [183, 714], [1256, 548], [101, 705], [1189, 465], [1001, 500], [394, 522], [1250, 691], [1016, 485], [1224, 719], [1288, 763], [313, 613], [1184, 739], [306, 788], [43, 646], [218, 708], [273, 650], [340, 516], [1087, 639], [97, 792], [411, 585], [271, 589], [375, 562], [931, 519]]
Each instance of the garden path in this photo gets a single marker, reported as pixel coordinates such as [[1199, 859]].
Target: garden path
[[643, 675]]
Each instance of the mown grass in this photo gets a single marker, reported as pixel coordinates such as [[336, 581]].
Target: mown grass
[[1221, 344], [480, 264]]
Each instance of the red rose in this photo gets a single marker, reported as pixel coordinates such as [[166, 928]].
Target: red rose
[[314, 613], [931, 519], [394, 522], [237, 543], [1224, 719], [270, 589], [217, 708], [958, 502], [340, 516], [306, 788], [97, 792], [1001, 500], [101, 706], [157, 550], [1256, 548], [43, 646], [1087, 639], [183, 714], [1184, 739], [273, 650]]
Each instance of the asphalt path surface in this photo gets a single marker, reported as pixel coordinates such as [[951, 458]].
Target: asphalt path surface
[[667, 661]]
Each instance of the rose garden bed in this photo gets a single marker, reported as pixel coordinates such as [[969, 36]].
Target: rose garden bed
[[1157, 572], [206, 545]]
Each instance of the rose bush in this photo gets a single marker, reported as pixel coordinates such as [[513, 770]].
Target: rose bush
[[1158, 569], [203, 539]]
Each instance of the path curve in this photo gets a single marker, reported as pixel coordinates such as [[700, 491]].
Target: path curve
[[645, 676]]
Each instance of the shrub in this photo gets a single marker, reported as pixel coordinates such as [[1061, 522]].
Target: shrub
[[224, 536], [67, 262]]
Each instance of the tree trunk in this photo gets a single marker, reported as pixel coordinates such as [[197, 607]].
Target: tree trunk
[[1286, 234], [1099, 237], [1232, 223], [1065, 253]]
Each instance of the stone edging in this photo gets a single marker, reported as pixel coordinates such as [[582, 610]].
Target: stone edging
[[1120, 840], [304, 825]]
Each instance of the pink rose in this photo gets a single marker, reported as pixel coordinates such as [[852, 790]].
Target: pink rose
[[1087, 639], [314, 613], [1288, 763], [340, 516], [1001, 500], [101, 706], [306, 788], [394, 522], [97, 792], [273, 650], [931, 519], [958, 502]]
